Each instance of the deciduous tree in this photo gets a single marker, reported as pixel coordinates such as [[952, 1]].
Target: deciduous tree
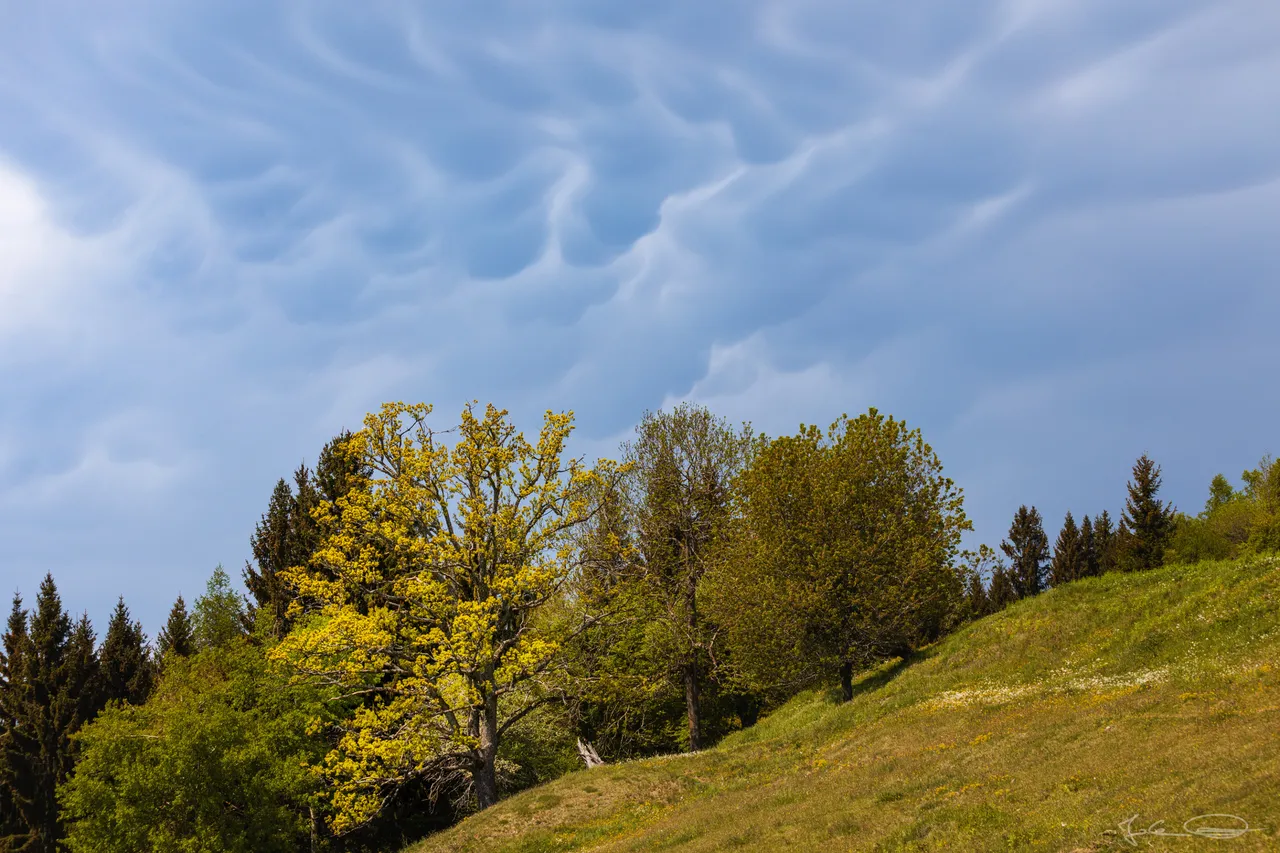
[[845, 550], [436, 598]]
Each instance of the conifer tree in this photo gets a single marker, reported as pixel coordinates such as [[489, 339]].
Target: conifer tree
[[1001, 592], [1104, 542], [273, 543], [41, 714], [976, 597], [177, 636], [1089, 565], [1028, 551], [1068, 555], [84, 681], [1148, 520], [125, 661], [14, 687]]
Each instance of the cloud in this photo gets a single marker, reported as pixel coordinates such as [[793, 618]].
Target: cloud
[[1038, 229]]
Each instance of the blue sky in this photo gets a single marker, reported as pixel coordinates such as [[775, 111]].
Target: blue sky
[[1044, 231]]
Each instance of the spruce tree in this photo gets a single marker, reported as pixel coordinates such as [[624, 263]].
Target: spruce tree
[[1148, 521], [1089, 565], [176, 637], [1104, 542], [1028, 551], [43, 713], [1068, 555], [124, 661], [976, 597], [1001, 592], [84, 677], [14, 689], [274, 550]]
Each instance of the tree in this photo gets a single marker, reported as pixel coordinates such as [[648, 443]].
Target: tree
[[287, 534], [977, 565], [1028, 551], [1069, 557], [1149, 522], [14, 832], [1002, 592], [844, 552], [1089, 563], [219, 614], [124, 661], [274, 545], [212, 763], [436, 598], [681, 466], [177, 637], [1220, 494], [1104, 543], [41, 711]]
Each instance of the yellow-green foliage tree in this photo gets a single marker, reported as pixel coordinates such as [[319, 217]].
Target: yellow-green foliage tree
[[845, 552], [436, 603]]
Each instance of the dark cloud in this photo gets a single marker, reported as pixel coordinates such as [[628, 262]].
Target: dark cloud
[[1040, 230]]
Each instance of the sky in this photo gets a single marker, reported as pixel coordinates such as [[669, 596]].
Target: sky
[[1046, 232]]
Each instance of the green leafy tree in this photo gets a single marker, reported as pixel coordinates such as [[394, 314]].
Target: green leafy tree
[[1220, 494], [1147, 521], [681, 465], [1001, 592], [177, 637], [1069, 555], [212, 763], [1028, 551], [220, 615], [124, 660], [437, 599], [844, 552]]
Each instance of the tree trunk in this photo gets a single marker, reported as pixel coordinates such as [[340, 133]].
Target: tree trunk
[[846, 681], [692, 701], [485, 777]]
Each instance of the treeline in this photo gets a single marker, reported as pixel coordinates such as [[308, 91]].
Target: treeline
[[439, 617], [1151, 533]]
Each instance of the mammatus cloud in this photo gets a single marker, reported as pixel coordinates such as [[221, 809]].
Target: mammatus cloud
[[1039, 230]]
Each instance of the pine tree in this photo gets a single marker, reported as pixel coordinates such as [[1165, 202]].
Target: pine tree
[[84, 676], [1068, 555], [1089, 564], [273, 543], [14, 687], [1149, 521], [176, 637], [42, 714], [1028, 551], [976, 597], [1104, 542], [1001, 592], [125, 661]]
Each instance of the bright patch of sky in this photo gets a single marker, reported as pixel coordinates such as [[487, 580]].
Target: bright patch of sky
[[1043, 231]]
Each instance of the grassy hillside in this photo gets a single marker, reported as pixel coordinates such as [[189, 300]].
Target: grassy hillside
[[1040, 728]]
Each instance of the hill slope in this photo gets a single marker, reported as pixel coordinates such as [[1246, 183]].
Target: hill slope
[[1039, 728]]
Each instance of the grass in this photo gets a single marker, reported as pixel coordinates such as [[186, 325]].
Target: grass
[[1039, 728]]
